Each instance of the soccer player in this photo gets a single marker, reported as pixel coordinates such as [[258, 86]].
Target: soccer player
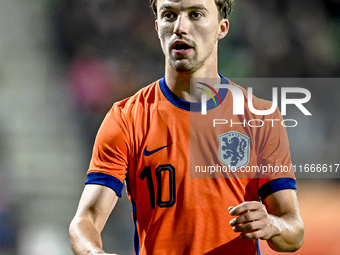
[[150, 141]]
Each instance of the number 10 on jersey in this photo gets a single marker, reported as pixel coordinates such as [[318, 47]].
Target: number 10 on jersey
[[167, 169]]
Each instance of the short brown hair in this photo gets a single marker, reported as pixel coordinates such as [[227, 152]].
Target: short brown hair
[[223, 7]]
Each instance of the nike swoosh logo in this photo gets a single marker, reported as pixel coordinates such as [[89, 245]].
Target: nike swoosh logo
[[149, 153]]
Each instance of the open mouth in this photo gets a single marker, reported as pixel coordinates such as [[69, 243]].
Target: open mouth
[[181, 46]]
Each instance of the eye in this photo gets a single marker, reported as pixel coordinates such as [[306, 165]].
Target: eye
[[196, 15], [169, 15]]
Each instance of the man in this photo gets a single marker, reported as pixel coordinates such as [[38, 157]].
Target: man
[[146, 141]]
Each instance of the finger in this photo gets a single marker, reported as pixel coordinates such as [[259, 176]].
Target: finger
[[249, 227], [258, 234], [247, 217], [244, 207]]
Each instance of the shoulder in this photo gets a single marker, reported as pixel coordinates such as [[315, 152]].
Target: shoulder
[[257, 103], [117, 124], [139, 101]]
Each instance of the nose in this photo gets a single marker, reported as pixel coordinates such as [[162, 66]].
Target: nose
[[181, 25]]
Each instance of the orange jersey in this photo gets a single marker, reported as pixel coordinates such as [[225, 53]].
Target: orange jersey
[[159, 147]]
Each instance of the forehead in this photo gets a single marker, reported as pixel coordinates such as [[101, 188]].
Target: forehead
[[186, 4]]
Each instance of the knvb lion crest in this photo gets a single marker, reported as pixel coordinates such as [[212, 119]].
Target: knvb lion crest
[[234, 149]]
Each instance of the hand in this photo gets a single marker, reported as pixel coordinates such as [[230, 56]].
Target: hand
[[253, 221]]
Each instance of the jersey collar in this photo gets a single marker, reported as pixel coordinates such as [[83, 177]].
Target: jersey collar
[[189, 106]]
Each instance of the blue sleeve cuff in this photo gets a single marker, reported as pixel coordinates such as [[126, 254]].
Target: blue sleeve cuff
[[276, 185], [106, 180]]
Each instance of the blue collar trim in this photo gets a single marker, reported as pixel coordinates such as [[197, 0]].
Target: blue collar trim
[[188, 106]]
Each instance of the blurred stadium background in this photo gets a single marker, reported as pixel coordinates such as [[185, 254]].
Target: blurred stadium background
[[64, 62]]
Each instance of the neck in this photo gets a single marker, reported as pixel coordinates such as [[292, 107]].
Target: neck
[[179, 82]]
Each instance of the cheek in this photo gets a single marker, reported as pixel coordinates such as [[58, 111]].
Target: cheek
[[165, 29], [164, 34], [208, 32], [206, 38]]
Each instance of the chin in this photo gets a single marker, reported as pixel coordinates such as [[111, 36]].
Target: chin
[[187, 68], [184, 67]]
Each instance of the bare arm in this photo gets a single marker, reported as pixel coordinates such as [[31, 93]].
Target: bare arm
[[284, 208], [95, 206], [278, 221]]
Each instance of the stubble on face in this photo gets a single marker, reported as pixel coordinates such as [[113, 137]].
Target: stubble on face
[[185, 63], [200, 34]]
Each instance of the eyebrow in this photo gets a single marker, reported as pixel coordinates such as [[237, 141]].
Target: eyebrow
[[196, 7]]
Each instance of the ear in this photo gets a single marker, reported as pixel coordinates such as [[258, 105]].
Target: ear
[[156, 26], [223, 29]]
